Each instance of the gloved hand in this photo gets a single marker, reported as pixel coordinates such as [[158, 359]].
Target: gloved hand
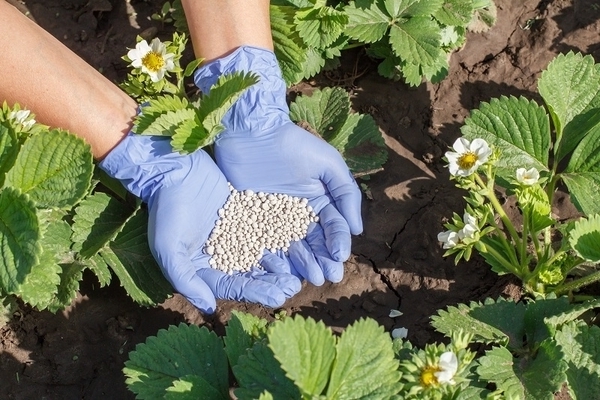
[[184, 193], [263, 150]]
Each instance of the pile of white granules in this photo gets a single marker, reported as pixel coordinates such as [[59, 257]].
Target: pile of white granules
[[250, 223]]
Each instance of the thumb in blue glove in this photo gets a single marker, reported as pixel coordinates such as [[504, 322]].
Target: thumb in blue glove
[[184, 194], [262, 150]]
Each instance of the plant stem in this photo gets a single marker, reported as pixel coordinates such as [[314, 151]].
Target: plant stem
[[498, 207], [509, 249], [505, 263], [578, 283]]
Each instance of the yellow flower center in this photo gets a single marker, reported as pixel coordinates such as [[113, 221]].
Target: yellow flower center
[[428, 376], [467, 160], [153, 61]]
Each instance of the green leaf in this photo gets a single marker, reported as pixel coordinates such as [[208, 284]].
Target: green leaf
[[192, 387], [582, 175], [571, 314], [365, 366], [319, 27], [325, 111], [201, 130], [288, 46], [9, 149], [258, 371], [306, 350], [367, 25], [580, 345], [418, 40], [41, 285], [584, 238], [361, 144], [158, 106], [20, 248], [130, 258], [241, 332], [98, 220], [55, 168], [528, 378], [580, 126], [185, 352], [191, 67], [536, 207], [567, 86], [98, 266], [536, 328], [518, 127], [70, 276], [499, 322], [166, 124], [410, 8], [455, 12]]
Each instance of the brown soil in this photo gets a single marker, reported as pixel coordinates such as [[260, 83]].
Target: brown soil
[[397, 262]]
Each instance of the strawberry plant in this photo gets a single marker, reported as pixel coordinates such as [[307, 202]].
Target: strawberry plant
[[527, 149]]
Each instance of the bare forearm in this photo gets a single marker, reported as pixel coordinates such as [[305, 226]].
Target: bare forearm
[[43, 75], [219, 26]]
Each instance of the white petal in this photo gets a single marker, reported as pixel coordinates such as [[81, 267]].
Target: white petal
[[469, 219], [461, 145], [157, 46], [400, 333]]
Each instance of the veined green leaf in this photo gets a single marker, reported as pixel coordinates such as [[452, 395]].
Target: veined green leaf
[[55, 168], [191, 135], [313, 63], [579, 127], [306, 350], [527, 378], [574, 312], [98, 266], [361, 144], [536, 207], [413, 8], [367, 25], [20, 235], [166, 124], [320, 27], [259, 371], [192, 387], [567, 86], [583, 188], [223, 94], [288, 46], [98, 220], [130, 258], [536, 313], [41, 284], [185, 352], [455, 12], [518, 127], [155, 108], [500, 322], [9, 149], [365, 366], [417, 40], [70, 276], [580, 345], [325, 111], [584, 238], [242, 331], [582, 174]]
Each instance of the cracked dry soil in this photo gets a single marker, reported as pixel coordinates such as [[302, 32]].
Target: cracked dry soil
[[397, 262]]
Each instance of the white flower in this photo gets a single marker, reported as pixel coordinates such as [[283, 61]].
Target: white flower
[[21, 118], [400, 333], [528, 176], [449, 239], [447, 368], [468, 231], [152, 59], [468, 156]]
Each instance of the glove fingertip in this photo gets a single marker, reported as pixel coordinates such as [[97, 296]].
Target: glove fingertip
[[206, 306]]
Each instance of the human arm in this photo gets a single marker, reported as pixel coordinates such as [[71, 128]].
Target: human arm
[[183, 193], [261, 149]]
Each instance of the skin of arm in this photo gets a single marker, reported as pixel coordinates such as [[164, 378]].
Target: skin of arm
[[60, 88], [219, 26]]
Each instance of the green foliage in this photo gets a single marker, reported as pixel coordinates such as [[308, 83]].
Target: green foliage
[[536, 346], [551, 143], [291, 358], [326, 113]]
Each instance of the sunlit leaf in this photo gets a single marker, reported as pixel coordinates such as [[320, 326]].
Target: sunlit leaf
[[584, 238]]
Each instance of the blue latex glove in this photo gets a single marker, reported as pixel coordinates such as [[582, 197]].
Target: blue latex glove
[[184, 193], [263, 150]]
